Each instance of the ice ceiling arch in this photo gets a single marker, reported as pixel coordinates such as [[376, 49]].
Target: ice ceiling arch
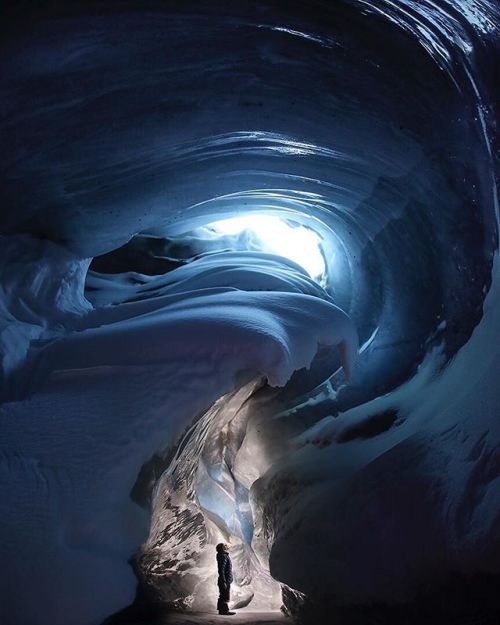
[[132, 129]]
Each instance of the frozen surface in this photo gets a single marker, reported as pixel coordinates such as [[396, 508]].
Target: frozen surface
[[41, 292], [202, 499]]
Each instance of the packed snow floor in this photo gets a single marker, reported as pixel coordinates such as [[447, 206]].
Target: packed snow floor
[[242, 616], [145, 616]]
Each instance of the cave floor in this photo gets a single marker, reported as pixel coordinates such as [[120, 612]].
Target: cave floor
[[242, 616], [150, 615]]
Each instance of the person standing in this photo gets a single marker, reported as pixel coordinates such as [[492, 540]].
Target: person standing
[[225, 570]]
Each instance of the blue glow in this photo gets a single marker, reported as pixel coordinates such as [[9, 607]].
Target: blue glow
[[275, 235]]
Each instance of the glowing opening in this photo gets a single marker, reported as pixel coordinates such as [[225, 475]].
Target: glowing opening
[[277, 236]]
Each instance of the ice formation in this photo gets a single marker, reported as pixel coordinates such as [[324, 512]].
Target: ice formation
[[128, 379], [167, 384]]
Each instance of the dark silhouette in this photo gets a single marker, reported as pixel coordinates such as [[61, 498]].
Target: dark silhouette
[[225, 569]]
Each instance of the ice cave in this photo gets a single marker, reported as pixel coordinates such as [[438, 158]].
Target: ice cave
[[250, 294]]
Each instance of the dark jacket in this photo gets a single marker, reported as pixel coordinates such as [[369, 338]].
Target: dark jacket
[[225, 567]]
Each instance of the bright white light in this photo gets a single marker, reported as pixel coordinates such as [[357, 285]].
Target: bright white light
[[298, 243]]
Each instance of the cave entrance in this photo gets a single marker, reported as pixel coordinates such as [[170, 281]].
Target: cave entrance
[[276, 235], [204, 496]]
